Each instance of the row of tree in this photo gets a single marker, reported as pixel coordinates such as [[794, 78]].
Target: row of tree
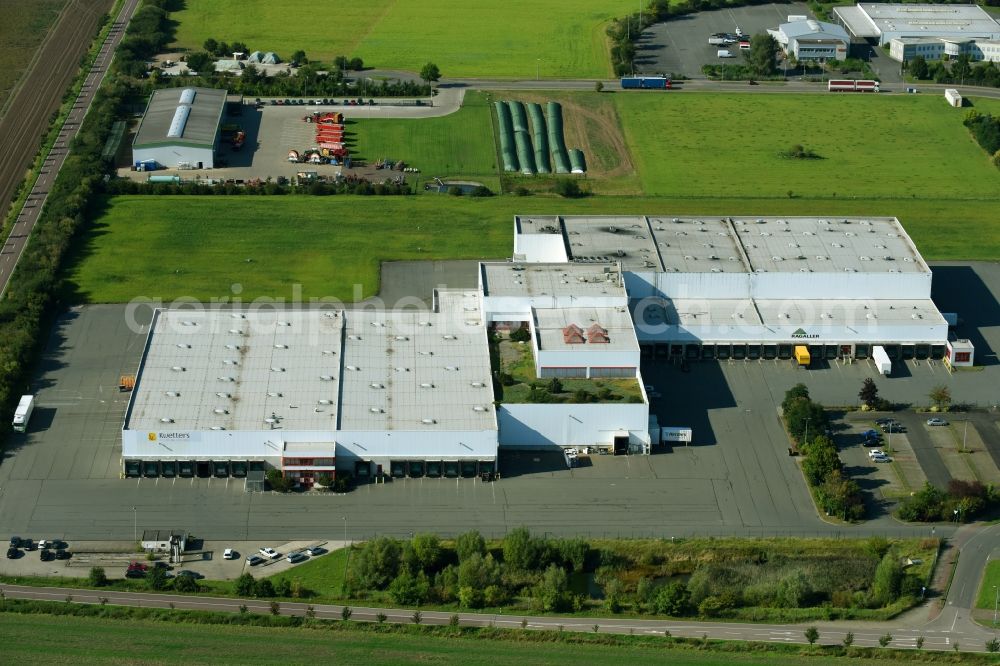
[[962, 501], [808, 426], [961, 70], [361, 186]]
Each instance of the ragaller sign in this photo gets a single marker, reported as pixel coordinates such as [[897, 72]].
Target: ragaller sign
[[800, 333]]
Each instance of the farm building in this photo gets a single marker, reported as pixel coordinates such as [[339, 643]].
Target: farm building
[[880, 23], [180, 129], [813, 40], [754, 288]]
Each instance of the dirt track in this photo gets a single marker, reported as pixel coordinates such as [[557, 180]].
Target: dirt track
[[42, 90]]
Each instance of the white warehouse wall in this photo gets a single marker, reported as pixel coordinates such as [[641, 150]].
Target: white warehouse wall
[[589, 355], [531, 425], [511, 308], [750, 333], [416, 445], [870, 286], [170, 156]]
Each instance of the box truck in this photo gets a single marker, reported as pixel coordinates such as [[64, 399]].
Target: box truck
[[646, 82], [23, 412], [802, 357], [881, 360]]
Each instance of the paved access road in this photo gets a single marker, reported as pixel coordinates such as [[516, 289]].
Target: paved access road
[[15, 243], [865, 634]]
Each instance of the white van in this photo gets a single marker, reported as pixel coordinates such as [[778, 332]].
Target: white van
[[725, 53]]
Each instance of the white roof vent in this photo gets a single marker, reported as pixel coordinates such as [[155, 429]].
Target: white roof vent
[[375, 410], [378, 324], [428, 421], [451, 368], [478, 384], [188, 323], [449, 337], [181, 345], [237, 315], [274, 394], [233, 347], [271, 420], [221, 411], [230, 361], [479, 408], [284, 323], [217, 428], [376, 385], [173, 394], [402, 338], [177, 368], [324, 401], [281, 346], [277, 369], [326, 378], [223, 395], [178, 122], [166, 420], [226, 379], [352, 367], [236, 331], [329, 352], [426, 385], [353, 337]]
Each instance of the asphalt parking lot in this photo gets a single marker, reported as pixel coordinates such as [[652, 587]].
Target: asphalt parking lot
[[680, 46], [61, 479]]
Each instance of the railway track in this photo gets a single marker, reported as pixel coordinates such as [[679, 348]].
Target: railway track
[[23, 138]]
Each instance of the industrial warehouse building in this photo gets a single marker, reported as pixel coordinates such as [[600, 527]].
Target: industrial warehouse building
[[314, 392], [812, 40], [180, 129], [754, 288], [365, 392], [880, 23], [905, 49]]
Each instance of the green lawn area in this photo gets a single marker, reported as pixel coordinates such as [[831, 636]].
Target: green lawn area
[[46, 639], [456, 146], [488, 38], [169, 247], [991, 578], [871, 146], [518, 361], [323, 576]]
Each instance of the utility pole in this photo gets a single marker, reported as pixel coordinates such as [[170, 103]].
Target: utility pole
[[996, 602], [135, 525], [965, 433]]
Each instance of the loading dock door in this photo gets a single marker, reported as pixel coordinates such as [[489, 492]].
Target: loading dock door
[[186, 469], [433, 469], [468, 468], [239, 469], [150, 469], [621, 444], [133, 468], [168, 469], [204, 470], [451, 469], [220, 468]]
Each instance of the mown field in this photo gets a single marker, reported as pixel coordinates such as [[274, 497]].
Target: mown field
[[47, 639], [730, 145], [23, 26], [458, 145], [488, 38], [170, 247]]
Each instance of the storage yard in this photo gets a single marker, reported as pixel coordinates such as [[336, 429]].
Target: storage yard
[[528, 152]]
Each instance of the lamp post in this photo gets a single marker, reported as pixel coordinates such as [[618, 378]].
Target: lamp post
[[965, 433], [805, 440], [345, 529], [537, 64], [135, 525], [996, 602]]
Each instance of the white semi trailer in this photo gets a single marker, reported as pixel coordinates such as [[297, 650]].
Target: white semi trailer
[[23, 412], [881, 360]]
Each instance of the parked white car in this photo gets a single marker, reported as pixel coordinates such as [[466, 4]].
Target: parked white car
[[229, 554], [269, 553]]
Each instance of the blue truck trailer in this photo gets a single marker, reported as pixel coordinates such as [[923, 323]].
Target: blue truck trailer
[[646, 82]]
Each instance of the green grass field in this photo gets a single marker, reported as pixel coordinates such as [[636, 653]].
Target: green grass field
[[895, 147], [488, 38], [323, 576], [458, 145], [23, 26], [169, 247], [46, 639], [991, 579]]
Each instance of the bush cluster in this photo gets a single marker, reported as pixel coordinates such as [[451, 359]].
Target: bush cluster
[[985, 130], [422, 570], [807, 424], [963, 501]]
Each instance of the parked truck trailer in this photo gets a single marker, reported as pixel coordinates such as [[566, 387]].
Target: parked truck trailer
[[881, 359], [646, 82], [852, 85], [23, 413]]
